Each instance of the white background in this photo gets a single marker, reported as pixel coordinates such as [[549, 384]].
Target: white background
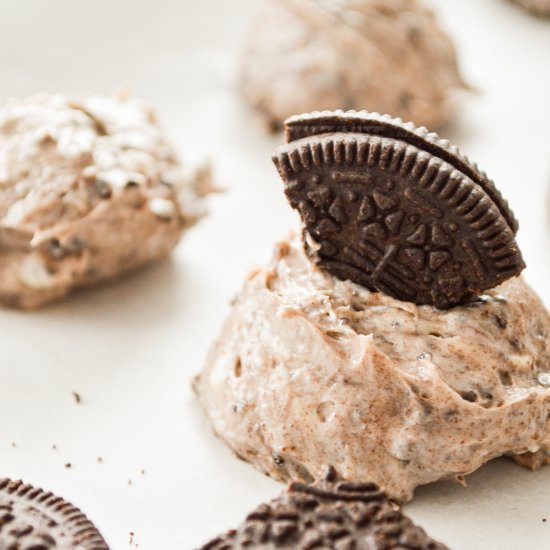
[[131, 348]]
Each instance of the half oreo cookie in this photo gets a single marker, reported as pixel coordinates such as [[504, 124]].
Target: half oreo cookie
[[330, 514], [31, 518], [396, 209]]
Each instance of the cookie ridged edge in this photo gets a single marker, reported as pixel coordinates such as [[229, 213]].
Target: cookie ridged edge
[[320, 122], [87, 532]]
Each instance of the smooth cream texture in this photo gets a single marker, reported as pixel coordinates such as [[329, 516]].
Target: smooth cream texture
[[89, 189], [310, 370], [388, 56]]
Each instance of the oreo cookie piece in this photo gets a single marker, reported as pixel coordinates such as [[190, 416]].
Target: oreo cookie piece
[[365, 122], [396, 209], [31, 518], [330, 514]]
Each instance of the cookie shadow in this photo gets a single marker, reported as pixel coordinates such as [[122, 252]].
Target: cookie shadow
[[500, 474], [146, 295], [500, 504]]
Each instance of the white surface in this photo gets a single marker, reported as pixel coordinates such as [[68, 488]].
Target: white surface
[[131, 348]]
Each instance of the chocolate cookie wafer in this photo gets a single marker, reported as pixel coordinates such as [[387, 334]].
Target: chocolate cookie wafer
[[365, 122], [31, 518], [330, 514], [396, 209]]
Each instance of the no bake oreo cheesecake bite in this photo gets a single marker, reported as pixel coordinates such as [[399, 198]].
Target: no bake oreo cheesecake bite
[[89, 189], [382, 55], [395, 339]]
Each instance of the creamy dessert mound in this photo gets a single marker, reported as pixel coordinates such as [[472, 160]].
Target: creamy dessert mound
[[312, 371], [389, 56], [89, 189]]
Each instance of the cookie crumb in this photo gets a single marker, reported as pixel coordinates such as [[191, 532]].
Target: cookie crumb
[[142, 472], [14, 444], [54, 447], [99, 460], [68, 465], [129, 482], [77, 397]]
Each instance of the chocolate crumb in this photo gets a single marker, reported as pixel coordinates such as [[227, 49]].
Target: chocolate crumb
[[502, 323], [469, 395], [103, 189], [68, 465]]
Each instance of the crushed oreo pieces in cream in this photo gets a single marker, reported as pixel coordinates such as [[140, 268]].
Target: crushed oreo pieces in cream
[[404, 395], [90, 189]]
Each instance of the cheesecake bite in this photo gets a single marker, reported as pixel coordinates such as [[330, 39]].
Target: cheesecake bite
[[390, 56], [89, 189], [325, 360]]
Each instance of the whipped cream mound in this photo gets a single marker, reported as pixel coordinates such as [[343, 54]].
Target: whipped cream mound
[[389, 56], [312, 371], [89, 189]]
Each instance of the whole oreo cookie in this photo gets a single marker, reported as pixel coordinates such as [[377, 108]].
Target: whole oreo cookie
[[330, 514], [396, 209], [31, 518]]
